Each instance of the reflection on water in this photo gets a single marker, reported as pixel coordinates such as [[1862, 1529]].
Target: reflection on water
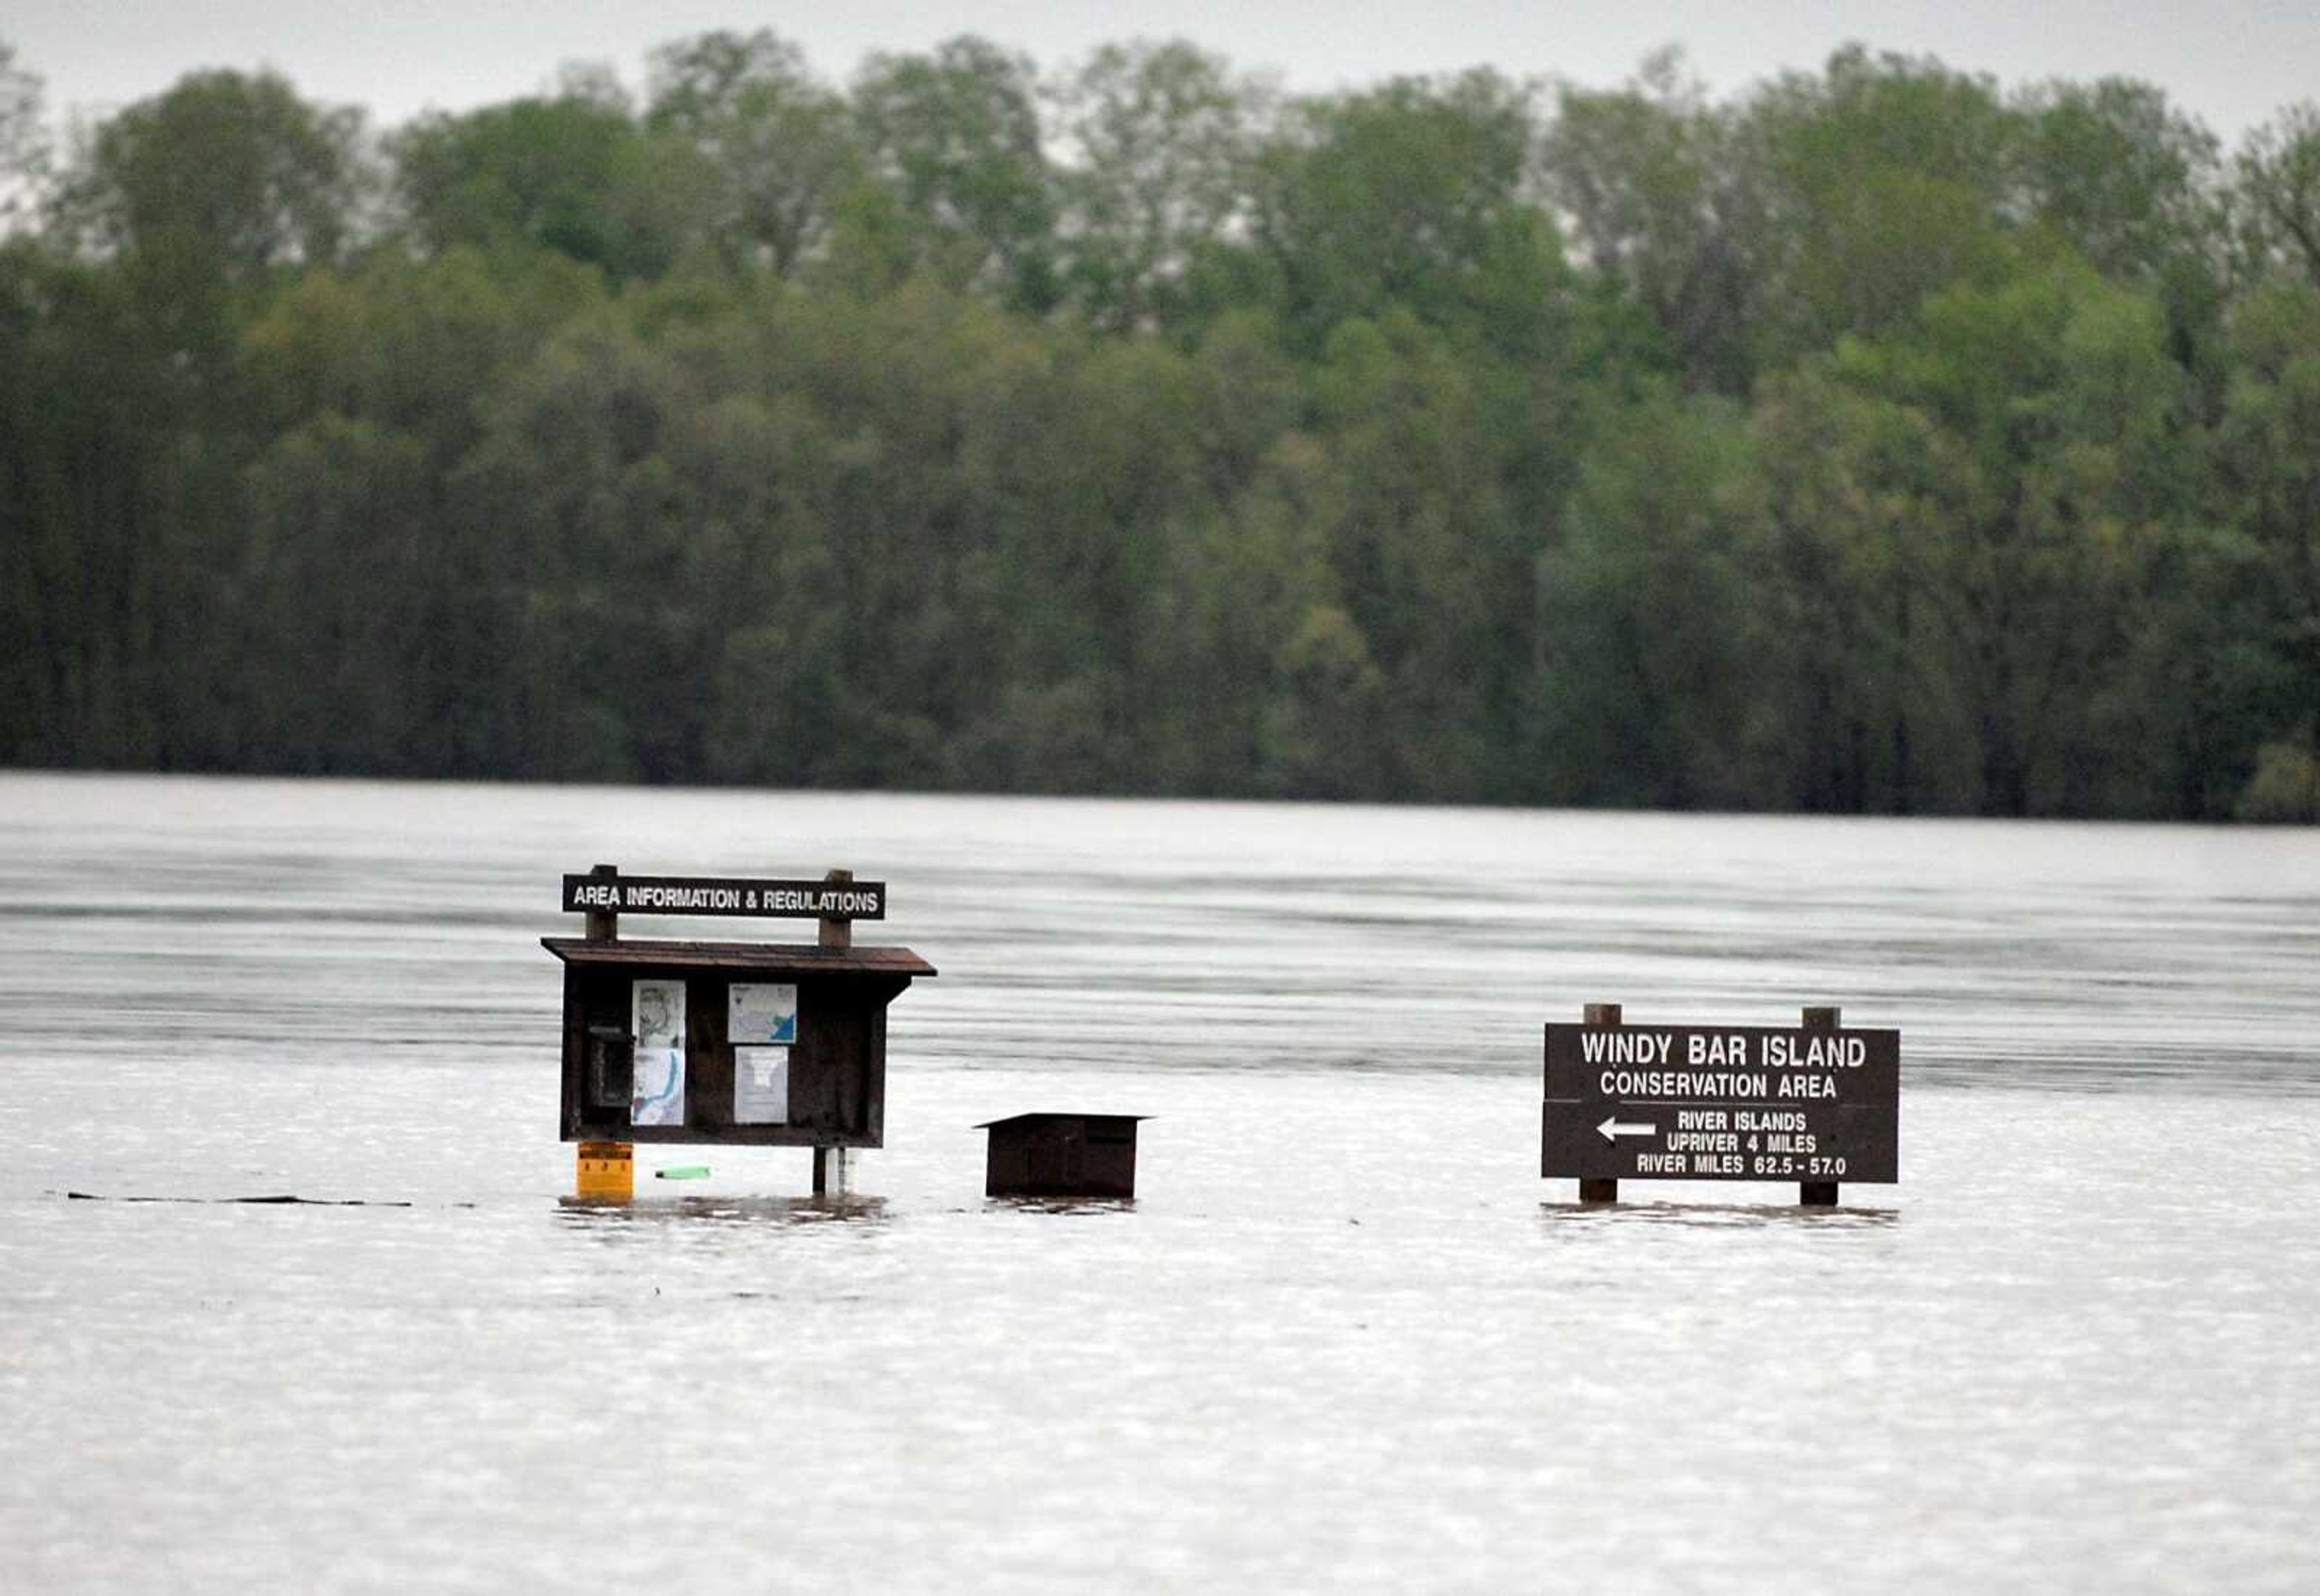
[[1345, 1338], [584, 1212], [1060, 1205]]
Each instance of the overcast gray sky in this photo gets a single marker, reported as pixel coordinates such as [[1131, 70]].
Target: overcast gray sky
[[2233, 63]]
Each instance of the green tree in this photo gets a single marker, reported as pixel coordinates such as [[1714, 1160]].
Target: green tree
[[782, 145], [586, 559], [573, 173], [1412, 196], [1878, 182], [1660, 204], [2129, 180], [81, 595], [2269, 474], [2278, 192], [24, 143], [2136, 189], [1652, 647], [1888, 442], [1430, 556], [206, 192], [368, 582], [232, 170], [337, 613], [957, 134], [1163, 139], [1863, 667], [2055, 462]]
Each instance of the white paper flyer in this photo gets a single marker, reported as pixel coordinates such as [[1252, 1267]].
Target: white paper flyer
[[761, 1085]]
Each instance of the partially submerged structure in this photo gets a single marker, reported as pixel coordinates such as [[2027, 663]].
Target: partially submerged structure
[[727, 1043], [1061, 1156]]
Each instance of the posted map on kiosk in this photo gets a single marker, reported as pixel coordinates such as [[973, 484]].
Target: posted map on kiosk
[[657, 1019], [761, 1014], [659, 1095]]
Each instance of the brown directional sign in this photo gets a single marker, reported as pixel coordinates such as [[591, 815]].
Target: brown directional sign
[[1722, 1103], [725, 894]]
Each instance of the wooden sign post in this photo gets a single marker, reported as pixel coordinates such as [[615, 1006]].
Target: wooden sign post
[[1820, 1194], [734, 1043], [1600, 1188], [603, 925], [1815, 1103]]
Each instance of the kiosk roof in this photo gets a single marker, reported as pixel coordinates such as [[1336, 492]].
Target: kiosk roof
[[761, 957]]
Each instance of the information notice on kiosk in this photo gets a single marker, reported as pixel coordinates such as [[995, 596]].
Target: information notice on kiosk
[[1722, 1103]]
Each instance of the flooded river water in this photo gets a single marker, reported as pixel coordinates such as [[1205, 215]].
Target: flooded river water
[[1345, 1339]]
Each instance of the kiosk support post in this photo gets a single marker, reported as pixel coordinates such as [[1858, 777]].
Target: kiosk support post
[[605, 1171], [833, 1172], [833, 1167], [1820, 1194], [1599, 1190]]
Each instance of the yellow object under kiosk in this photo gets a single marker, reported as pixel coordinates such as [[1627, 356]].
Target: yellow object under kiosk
[[608, 1172]]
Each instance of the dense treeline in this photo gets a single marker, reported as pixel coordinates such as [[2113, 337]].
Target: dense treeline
[[1874, 440]]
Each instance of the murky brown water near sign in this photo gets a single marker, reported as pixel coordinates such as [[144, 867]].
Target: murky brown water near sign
[[1346, 1339]]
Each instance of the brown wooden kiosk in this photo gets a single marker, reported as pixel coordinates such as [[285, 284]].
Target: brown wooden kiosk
[[744, 1044]]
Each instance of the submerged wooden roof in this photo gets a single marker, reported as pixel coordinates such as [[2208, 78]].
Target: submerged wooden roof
[[764, 958]]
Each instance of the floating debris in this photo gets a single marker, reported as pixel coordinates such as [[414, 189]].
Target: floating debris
[[273, 1198]]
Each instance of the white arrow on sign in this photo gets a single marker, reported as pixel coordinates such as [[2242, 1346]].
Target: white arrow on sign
[[1613, 1130]]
